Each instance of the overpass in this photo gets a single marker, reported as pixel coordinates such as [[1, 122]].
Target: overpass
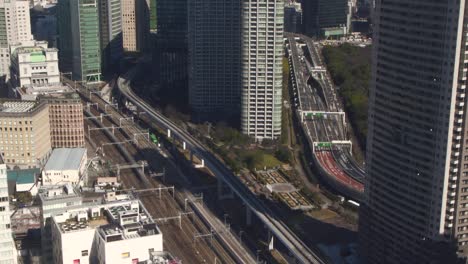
[[297, 247]]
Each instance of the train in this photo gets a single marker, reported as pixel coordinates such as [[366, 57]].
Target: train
[[154, 138]]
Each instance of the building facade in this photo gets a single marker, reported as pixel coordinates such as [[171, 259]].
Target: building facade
[[7, 248], [24, 133], [293, 17], [65, 166], [34, 64], [135, 25], [170, 47], [79, 39], [416, 196], [15, 25], [110, 23], [262, 56], [117, 229], [327, 17], [214, 37], [66, 120]]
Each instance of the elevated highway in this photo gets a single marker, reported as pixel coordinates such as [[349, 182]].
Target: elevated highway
[[322, 118], [301, 252]]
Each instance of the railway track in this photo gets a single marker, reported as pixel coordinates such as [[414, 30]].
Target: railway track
[[178, 240]]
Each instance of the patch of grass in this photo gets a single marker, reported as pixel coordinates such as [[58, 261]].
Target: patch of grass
[[323, 214]]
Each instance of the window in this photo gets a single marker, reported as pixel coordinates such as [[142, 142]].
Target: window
[[84, 253], [126, 255]]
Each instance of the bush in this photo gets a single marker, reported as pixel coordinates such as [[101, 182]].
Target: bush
[[350, 69], [283, 154]]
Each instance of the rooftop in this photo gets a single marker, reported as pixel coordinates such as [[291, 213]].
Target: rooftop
[[73, 225], [65, 159], [17, 106], [23, 176], [55, 192]]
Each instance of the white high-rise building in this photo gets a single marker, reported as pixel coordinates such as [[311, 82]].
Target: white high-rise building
[[235, 63], [262, 55], [15, 24], [7, 247]]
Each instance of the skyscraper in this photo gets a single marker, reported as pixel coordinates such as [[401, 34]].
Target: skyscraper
[[235, 65], [214, 58], [7, 248], [416, 197], [262, 55], [170, 46], [79, 39], [15, 27], [325, 17], [110, 24], [135, 25]]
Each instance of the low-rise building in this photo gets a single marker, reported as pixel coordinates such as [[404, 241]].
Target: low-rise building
[[103, 183], [65, 166], [24, 133], [66, 120], [65, 113], [54, 200], [117, 230], [24, 180], [34, 64]]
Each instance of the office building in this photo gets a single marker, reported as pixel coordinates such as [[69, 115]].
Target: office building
[[262, 56], [214, 37], [34, 64], [135, 25], [327, 18], [54, 200], [66, 119], [293, 17], [79, 39], [65, 166], [7, 248], [116, 232], [116, 229], [170, 47], [110, 23], [15, 26], [24, 133], [44, 24], [416, 192]]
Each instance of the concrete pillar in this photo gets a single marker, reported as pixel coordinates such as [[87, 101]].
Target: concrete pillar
[[168, 133], [184, 145], [224, 192], [271, 240], [203, 163], [248, 216]]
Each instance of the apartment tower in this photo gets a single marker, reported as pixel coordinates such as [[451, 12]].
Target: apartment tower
[[416, 197], [262, 55], [214, 58], [235, 63], [15, 27]]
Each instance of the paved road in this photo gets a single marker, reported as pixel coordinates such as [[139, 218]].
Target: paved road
[[314, 91], [298, 248]]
